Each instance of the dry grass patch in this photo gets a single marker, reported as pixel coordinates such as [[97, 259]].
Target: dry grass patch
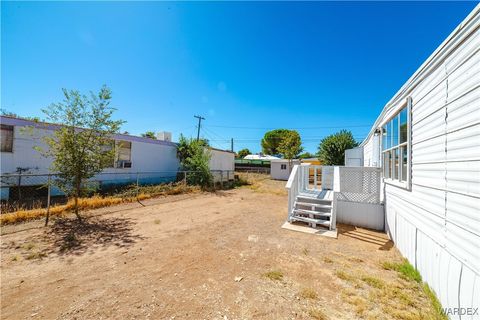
[[401, 298], [262, 183], [373, 282], [327, 260], [274, 275], [35, 255], [95, 202], [355, 259], [341, 274], [317, 314], [308, 293]]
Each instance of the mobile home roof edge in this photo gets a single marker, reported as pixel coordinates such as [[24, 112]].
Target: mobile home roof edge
[[13, 121], [468, 26]]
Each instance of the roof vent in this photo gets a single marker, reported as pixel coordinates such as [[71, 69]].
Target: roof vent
[[164, 136]]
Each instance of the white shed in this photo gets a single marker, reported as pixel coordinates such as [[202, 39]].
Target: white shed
[[222, 164], [280, 168]]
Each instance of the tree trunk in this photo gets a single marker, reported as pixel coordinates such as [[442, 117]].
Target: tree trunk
[[77, 194]]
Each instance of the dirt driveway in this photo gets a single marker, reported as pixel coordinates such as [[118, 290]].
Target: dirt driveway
[[208, 256]]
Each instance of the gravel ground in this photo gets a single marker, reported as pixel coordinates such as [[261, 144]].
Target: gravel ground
[[206, 256]]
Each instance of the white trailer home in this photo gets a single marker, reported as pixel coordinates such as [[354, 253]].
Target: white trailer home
[[155, 160], [427, 143], [19, 137]]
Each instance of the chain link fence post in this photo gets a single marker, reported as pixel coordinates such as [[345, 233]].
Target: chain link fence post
[[138, 187], [185, 178], [49, 193], [221, 179]]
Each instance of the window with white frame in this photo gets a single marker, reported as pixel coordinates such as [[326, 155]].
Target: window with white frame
[[396, 147], [283, 166]]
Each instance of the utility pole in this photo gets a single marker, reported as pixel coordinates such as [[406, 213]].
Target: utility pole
[[231, 145], [200, 118]]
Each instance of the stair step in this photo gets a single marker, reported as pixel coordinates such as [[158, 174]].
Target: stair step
[[316, 205], [315, 213], [323, 223], [308, 199]]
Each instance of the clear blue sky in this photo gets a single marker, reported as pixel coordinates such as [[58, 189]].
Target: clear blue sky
[[256, 65]]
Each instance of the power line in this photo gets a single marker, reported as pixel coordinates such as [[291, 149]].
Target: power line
[[274, 138], [295, 128]]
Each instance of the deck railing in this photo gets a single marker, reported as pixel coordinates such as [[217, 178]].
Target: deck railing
[[348, 185], [358, 184], [293, 188]]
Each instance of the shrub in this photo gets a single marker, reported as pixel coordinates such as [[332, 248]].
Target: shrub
[[194, 157], [331, 150]]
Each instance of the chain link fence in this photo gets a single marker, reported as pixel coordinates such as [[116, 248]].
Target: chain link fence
[[36, 191]]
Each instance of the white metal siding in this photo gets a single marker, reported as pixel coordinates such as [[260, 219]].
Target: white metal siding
[[145, 156], [221, 160], [436, 224]]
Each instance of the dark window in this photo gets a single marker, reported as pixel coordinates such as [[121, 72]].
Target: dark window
[[283, 167], [7, 138]]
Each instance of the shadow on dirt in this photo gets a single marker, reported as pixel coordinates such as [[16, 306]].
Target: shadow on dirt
[[69, 236], [366, 235]]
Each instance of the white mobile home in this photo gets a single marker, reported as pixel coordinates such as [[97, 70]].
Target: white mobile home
[[156, 160], [20, 137], [427, 143]]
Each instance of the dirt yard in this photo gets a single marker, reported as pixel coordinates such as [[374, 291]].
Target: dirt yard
[[204, 256]]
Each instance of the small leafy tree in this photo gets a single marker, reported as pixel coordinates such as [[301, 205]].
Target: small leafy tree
[[243, 153], [291, 146], [272, 139], [149, 134], [82, 146], [194, 157], [331, 150]]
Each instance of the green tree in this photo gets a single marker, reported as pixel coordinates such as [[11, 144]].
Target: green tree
[[272, 139], [306, 155], [331, 150], [243, 153], [195, 157], [82, 146], [291, 145], [149, 134]]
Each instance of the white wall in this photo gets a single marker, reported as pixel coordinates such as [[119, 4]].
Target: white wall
[[222, 160], [24, 155], [436, 224], [354, 157], [276, 171], [146, 156]]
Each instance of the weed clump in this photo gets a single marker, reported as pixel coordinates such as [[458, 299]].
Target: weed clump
[[405, 269], [308, 293], [274, 275], [317, 314]]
